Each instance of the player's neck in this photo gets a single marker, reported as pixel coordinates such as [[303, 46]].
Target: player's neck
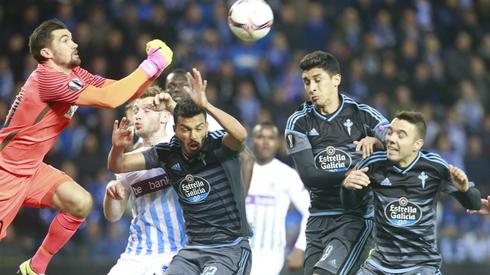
[[408, 160], [57, 67], [263, 161], [332, 104], [156, 138]]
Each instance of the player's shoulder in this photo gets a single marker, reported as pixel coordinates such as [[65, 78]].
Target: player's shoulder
[[300, 114], [378, 157], [353, 104], [171, 146], [434, 159], [217, 134], [279, 165]]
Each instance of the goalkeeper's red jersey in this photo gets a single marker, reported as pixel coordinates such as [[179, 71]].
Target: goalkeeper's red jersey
[[41, 110]]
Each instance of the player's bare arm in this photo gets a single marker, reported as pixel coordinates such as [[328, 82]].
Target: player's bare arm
[[295, 259], [118, 162], [133, 85], [115, 200], [247, 160], [237, 134]]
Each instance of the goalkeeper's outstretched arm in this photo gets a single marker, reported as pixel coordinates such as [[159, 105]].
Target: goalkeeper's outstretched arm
[[133, 85]]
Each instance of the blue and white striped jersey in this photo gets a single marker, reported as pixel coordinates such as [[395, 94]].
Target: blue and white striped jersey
[[157, 226]]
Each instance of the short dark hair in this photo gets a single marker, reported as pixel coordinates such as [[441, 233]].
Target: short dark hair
[[322, 60], [42, 37], [187, 108], [415, 118]]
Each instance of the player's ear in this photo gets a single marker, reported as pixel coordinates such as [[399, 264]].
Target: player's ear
[[336, 79], [46, 53], [164, 117], [418, 144]]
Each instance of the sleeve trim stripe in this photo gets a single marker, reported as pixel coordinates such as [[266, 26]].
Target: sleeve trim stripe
[[437, 160], [296, 133], [294, 117]]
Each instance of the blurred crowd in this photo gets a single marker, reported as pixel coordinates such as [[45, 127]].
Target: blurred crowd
[[432, 56]]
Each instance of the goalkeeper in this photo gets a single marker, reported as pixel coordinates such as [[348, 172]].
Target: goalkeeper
[[41, 110]]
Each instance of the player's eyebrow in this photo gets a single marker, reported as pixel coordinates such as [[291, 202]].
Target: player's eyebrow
[[64, 35], [401, 131]]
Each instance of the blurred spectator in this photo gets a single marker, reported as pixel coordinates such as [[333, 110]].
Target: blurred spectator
[[433, 56]]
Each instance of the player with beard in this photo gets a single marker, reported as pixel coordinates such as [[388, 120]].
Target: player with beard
[[204, 169], [175, 83], [39, 113]]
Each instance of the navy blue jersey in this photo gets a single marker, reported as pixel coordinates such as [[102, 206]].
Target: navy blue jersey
[[209, 186], [405, 209], [330, 139]]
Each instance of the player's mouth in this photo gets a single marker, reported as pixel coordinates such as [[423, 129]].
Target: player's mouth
[[392, 149], [193, 146], [315, 98], [137, 126]]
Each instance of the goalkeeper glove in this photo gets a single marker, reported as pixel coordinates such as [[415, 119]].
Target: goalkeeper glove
[[159, 57]]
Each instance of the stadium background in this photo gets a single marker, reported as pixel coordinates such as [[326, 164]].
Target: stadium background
[[432, 56]]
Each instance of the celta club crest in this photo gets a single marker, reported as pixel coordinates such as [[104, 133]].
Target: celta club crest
[[348, 124], [423, 177]]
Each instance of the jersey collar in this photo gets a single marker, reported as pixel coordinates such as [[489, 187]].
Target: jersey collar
[[332, 116], [408, 168]]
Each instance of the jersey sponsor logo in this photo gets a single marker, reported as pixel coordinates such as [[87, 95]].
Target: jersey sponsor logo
[[313, 132], [333, 160], [150, 185], [402, 212], [423, 177], [260, 200], [75, 84], [194, 189]]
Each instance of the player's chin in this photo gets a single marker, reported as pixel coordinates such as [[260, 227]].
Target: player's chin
[[75, 62]]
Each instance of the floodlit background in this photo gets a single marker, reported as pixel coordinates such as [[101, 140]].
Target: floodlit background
[[432, 56]]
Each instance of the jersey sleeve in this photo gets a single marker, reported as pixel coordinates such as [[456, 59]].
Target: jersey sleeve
[[89, 78], [214, 143], [59, 87], [157, 155], [295, 132], [122, 177], [469, 199], [376, 123], [371, 160]]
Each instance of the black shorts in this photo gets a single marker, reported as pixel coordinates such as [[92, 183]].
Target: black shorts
[[337, 244], [232, 260], [368, 268]]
